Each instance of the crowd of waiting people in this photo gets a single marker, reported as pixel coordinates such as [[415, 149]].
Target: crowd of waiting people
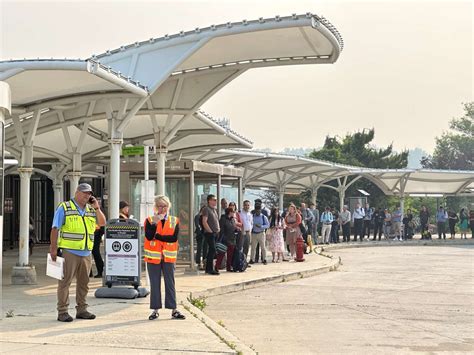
[[246, 234]]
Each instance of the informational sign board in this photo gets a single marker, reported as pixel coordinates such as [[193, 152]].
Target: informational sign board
[[122, 252], [138, 150]]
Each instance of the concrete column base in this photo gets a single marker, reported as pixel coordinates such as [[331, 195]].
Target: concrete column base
[[24, 275]]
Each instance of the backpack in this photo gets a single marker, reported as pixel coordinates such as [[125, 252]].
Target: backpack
[[239, 262]]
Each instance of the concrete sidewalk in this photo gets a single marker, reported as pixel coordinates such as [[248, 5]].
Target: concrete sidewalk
[[122, 325]]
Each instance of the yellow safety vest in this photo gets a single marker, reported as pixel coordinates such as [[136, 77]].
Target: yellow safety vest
[[77, 232]]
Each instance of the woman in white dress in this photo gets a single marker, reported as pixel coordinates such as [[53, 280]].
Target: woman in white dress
[[277, 244]]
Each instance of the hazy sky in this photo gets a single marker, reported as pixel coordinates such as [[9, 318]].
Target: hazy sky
[[405, 70]]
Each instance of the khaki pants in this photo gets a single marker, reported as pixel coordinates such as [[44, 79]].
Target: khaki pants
[[258, 238], [325, 232], [79, 267]]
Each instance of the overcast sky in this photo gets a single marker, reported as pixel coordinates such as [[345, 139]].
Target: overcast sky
[[406, 67]]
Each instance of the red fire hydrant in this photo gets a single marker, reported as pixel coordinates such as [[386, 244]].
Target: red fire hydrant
[[300, 249]]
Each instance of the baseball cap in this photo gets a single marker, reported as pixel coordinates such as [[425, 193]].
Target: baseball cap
[[84, 187]]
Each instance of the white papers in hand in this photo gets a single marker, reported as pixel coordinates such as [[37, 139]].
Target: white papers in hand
[[55, 269]]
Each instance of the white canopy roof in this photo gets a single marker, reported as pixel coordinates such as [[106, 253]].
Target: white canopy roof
[[32, 81], [421, 181], [295, 173], [154, 87]]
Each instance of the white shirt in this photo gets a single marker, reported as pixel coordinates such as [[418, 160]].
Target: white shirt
[[247, 220]]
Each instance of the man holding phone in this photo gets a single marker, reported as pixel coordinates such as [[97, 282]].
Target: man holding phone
[[72, 236]]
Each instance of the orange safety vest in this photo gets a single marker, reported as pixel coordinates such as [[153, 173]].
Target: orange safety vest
[[156, 250]]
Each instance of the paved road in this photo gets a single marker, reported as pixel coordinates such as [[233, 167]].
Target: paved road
[[382, 300]]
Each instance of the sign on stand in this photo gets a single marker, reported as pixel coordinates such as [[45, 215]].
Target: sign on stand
[[122, 253]]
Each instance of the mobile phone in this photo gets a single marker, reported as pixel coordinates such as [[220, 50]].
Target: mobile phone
[[91, 199]]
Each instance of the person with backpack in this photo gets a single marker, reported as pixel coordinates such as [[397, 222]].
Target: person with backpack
[[246, 217], [210, 222], [358, 219], [326, 219], [260, 224], [441, 218], [228, 237], [266, 213]]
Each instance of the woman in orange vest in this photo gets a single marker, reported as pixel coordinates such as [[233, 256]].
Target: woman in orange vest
[[160, 252]]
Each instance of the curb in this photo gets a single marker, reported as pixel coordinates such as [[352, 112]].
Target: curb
[[249, 284], [222, 333], [433, 242]]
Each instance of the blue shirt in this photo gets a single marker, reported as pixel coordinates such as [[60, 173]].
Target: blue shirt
[[397, 216], [262, 220], [327, 217], [441, 216], [58, 222]]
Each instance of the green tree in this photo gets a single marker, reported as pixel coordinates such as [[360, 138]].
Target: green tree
[[357, 149], [455, 149]]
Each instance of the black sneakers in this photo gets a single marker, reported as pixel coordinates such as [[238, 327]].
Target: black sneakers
[[154, 315], [177, 315]]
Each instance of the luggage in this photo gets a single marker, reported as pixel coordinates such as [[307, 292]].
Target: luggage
[[221, 248], [239, 262]]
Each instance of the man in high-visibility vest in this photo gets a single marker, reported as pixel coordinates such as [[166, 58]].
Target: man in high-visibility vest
[[72, 235]]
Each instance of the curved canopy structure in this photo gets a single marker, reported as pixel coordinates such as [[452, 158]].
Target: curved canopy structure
[[155, 85], [289, 172], [421, 181], [296, 39], [34, 81]]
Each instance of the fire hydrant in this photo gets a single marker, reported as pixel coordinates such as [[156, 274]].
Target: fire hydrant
[[300, 247]]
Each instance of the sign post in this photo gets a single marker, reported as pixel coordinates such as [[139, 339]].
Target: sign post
[[122, 253]]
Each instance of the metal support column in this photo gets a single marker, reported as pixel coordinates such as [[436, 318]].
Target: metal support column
[[58, 192], [314, 195], [342, 196], [74, 178], [25, 178], [160, 170], [281, 196], [240, 195], [114, 182], [219, 182]]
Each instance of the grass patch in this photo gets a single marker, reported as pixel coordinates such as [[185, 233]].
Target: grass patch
[[198, 302]]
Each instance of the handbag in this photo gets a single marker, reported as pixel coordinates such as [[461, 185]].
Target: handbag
[[221, 247]]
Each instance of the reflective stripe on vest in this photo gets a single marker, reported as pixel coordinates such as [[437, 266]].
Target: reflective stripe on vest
[[77, 232], [156, 255]]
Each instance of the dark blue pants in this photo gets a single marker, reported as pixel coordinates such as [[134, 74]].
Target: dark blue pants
[[154, 272]]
